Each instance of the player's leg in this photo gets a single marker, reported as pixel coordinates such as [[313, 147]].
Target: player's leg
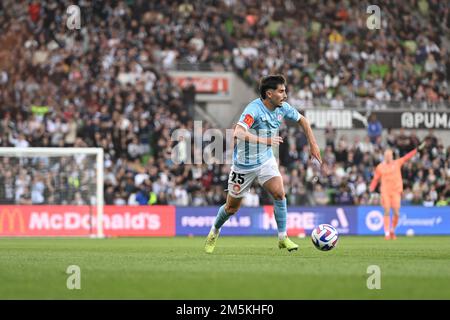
[[271, 180], [396, 199], [225, 212], [386, 204], [231, 206], [238, 184]]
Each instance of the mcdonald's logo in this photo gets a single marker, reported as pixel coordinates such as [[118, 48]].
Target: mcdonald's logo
[[11, 216]]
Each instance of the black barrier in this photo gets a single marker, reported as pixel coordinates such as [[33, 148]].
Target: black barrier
[[353, 119]]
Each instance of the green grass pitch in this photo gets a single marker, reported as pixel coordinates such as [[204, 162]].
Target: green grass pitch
[[240, 268]]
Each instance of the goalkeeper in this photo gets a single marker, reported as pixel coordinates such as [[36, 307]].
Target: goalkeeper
[[389, 172]]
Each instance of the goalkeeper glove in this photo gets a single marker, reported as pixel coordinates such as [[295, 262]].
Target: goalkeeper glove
[[421, 146]]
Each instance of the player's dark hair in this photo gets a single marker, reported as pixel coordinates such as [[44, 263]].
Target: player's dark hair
[[270, 82]]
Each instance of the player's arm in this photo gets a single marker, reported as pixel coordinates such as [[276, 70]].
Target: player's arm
[[375, 179], [315, 151], [241, 133], [412, 153]]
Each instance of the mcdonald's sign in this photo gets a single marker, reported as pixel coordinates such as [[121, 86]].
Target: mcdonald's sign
[[11, 221], [71, 220]]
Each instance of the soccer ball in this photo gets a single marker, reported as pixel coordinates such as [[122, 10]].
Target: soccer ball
[[324, 237]]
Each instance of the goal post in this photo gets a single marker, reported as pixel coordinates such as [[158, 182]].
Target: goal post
[[21, 167]]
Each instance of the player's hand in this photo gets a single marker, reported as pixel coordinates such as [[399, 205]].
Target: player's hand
[[315, 152], [421, 146], [274, 141]]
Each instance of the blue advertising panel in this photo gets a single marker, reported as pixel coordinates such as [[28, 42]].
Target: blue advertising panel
[[261, 220], [413, 220], [198, 221]]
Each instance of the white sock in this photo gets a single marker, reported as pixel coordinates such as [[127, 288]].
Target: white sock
[[386, 233], [282, 235], [215, 230]]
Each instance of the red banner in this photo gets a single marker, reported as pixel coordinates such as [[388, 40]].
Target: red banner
[[205, 84], [82, 220], [158, 221]]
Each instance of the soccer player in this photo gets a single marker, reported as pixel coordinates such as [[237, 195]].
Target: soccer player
[[256, 131], [389, 172]]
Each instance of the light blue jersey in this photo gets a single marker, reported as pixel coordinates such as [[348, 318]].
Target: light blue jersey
[[262, 122]]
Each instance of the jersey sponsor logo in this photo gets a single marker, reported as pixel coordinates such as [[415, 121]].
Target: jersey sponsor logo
[[248, 120]]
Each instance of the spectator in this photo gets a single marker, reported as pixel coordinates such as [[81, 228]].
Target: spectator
[[319, 195], [142, 196], [366, 146], [428, 202], [361, 186], [25, 197], [78, 199], [189, 92], [403, 142], [374, 128], [37, 191], [442, 201], [344, 195], [181, 197], [330, 135], [251, 199]]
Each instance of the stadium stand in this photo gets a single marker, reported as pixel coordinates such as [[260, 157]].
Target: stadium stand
[[107, 86]]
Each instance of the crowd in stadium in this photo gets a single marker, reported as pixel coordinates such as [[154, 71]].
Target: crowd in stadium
[[106, 86], [324, 48]]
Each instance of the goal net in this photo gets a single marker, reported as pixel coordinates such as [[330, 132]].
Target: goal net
[[51, 192]]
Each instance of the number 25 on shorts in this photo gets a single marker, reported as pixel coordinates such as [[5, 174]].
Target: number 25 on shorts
[[237, 177]]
